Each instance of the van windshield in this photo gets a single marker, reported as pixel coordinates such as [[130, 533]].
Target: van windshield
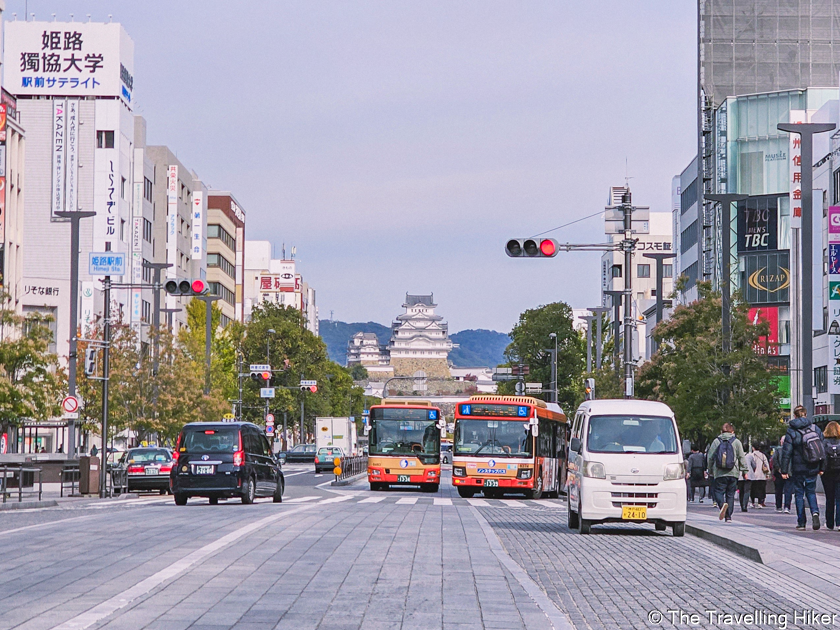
[[224, 440], [631, 434]]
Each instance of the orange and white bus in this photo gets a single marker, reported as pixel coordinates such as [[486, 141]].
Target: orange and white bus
[[509, 444], [404, 445]]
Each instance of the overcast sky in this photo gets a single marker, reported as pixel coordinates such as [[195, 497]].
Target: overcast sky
[[399, 144]]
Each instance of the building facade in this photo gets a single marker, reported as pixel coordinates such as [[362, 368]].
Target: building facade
[[12, 186], [364, 349], [420, 339], [226, 253]]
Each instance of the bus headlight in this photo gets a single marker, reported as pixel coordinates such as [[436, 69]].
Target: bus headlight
[[674, 472], [595, 470], [459, 472], [524, 473]]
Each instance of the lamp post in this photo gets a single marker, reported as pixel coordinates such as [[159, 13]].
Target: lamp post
[[615, 296], [208, 309], [806, 131], [270, 331], [554, 368], [599, 311], [589, 319], [660, 300]]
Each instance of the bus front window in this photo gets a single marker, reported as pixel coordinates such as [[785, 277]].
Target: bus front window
[[418, 438], [501, 438]]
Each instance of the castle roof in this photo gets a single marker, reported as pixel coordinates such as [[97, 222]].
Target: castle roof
[[425, 300]]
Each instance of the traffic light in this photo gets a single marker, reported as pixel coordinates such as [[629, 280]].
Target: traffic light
[[531, 248], [90, 361], [186, 287], [261, 378], [309, 388], [589, 388]]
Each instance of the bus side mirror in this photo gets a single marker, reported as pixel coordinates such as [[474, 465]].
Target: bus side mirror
[[441, 423], [574, 445], [534, 426]]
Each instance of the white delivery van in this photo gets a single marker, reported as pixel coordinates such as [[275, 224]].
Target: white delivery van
[[337, 432], [626, 465]]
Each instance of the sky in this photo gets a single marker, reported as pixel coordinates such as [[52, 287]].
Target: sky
[[399, 144]]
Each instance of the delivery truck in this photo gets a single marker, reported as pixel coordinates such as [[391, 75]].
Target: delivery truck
[[340, 432]]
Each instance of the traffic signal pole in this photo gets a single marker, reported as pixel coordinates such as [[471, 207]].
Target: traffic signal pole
[[208, 309], [106, 371], [628, 245]]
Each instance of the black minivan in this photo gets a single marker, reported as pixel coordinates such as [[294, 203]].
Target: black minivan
[[222, 460]]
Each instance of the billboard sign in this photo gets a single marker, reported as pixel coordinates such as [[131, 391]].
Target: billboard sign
[[197, 245], [795, 169], [758, 221], [80, 59], [172, 220], [834, 224], [766, 345], [59, 127], [766, 277]]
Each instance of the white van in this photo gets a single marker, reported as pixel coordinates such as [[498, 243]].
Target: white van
[[626, 464]]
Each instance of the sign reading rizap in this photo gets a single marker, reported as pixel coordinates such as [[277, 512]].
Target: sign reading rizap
[[766, 278]]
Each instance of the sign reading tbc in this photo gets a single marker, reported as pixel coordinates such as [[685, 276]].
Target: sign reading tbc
[[758, 224], [766, 278]]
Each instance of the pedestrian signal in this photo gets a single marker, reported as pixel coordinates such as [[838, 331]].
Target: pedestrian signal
[[90, 361]]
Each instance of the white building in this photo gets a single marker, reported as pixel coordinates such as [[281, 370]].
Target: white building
[[365, 349], [12, 185], [420, 339]]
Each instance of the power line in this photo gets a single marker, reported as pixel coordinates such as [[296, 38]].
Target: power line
[[594, 214]]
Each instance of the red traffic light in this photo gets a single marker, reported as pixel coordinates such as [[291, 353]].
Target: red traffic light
[[198, 286], [266, 376], [531, 248], [547, 247], [313, 389]]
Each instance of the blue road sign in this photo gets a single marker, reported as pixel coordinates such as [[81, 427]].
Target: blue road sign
[[106, 264]]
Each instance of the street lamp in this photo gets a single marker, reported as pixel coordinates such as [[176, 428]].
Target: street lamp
[[554, 367]]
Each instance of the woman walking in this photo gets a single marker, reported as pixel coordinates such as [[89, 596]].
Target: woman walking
[[831, 476], [759, 472]]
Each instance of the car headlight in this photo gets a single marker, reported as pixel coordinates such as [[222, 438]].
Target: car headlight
[[459, 472], [595, 470], [674, 472], [524, 473]]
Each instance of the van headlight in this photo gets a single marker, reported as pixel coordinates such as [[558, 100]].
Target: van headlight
[[674, 472], [595, 470]]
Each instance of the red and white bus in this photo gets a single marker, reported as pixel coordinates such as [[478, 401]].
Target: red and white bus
[[509, 444]]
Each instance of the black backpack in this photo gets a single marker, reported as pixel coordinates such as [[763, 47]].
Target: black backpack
[[813, 449], [725, 455], [832, 454]]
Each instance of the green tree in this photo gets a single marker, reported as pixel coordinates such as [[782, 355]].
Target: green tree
[[705, 386], [530, 340], [358, 372]]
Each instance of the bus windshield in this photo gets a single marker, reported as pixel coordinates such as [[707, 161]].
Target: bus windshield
[[631, 434], [419, 438], [500, 438]]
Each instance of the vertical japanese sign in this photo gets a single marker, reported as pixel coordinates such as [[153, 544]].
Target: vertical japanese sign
[[795, 170], [197, 245], [58, 137], [3, 119], [87, 305], [137, 254], [72, 154], [240, 272], [172, 221], [105, 195], [834, 299]]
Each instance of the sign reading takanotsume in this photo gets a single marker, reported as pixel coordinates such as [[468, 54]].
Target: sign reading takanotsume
[[68, 59], [766, 277]]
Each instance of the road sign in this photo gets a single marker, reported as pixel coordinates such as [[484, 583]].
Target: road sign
[[71, 415], [260, 367], [266, 392], [308, 383], [520, 388], [269, 429], [269, 419], [533, 387], [70, 404], [106, 264]]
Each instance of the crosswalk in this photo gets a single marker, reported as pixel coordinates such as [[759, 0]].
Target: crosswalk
[[360, 498]]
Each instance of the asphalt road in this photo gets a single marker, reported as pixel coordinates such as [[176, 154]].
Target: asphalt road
[[335, 558]]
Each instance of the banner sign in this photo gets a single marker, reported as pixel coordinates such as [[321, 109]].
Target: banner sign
[[766, 345], [795, 169], [58, 132], [766, 278], [758, 221], [197, 245], [834, 224], [72, 156], [172, 221]]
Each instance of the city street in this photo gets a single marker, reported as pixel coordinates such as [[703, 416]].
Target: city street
[[350, 558]]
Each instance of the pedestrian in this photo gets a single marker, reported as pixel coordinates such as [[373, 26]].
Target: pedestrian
[[727, 463], [745, 484], [760, 471], [696, 465], [831, 477], [94, 451], [782, 487], [803, 460]]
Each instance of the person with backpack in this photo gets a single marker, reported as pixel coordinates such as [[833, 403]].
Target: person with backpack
[[760, 469], [696, 466], [803, 460], [831, 477], [727, 463]]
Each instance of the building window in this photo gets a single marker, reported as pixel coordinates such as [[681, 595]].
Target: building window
[[690, 273], [643, 271], [688, 237], [688, 197], [219, 261], [122, 188], [104, 139], [821, 379], [217, 288], [147, 189], [667, 271], [51, 325], [837, 186], [147, 272], [122, 229], [217, 231], [616, 271], [225, 320], [147, 230], [146, 316]]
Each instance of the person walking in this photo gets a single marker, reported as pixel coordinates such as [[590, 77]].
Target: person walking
[[831, 477], [745, 484], [760, 469], [783, 488], [696, 465], [727, 463], [803, 460]]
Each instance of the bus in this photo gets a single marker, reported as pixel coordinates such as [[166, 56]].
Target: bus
[[509, 444], [404, 445]]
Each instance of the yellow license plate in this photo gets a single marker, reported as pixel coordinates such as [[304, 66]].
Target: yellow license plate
[[633, 513]]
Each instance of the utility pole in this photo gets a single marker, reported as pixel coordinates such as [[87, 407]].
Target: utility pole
[[239, 378], [156, 269], [806, 132], [628, 245], [599, 312], [553, 368], [75, 217], [589, 319], [208, 329], [106, 371]]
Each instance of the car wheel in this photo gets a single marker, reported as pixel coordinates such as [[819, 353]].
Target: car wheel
[[678, 529], [180, 499], [214, 500], [466, 493], [163, 491], [660, 527], [278, 492], [249, 491], [572, 519], [585, 526]]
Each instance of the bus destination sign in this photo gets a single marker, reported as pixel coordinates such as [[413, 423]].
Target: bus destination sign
[[495, 411]]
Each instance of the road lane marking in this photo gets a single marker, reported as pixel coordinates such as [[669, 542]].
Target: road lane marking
[[556, 617], [345, 497], [295, 474], [407, 501], [478, 503], [121, 600], [302, 499], [50, 524], [443, 501], [372, 500]]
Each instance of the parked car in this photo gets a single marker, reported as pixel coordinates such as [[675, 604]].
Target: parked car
[[142, 470], [300, 454], [221, 460], [325, 458]]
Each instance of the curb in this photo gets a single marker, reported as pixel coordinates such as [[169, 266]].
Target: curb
[[349, 480], [28, 505], [751, 553]]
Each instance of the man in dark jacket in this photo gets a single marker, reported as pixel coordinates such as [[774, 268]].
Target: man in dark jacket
[[796, 466], [726, 479], [696, 469]]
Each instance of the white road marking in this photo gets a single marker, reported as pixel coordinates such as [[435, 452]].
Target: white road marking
[[514, 503], [407, 501], [121, 600], [301, 499], [478, 502], [345, 497], [372, 500], [294, 474], [443, 501], [50, 524]]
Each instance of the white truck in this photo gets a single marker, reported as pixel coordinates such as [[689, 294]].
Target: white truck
[[340, 432]]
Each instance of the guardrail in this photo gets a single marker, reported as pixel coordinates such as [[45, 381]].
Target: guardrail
[[21, 482], [352, 466]]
